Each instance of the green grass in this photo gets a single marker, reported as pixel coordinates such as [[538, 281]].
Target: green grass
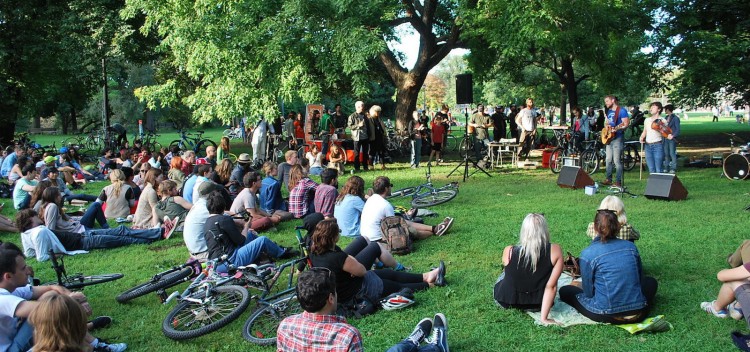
[[683, 245]]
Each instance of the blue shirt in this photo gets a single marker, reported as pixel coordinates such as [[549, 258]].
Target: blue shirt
[[270, 195], [611, 277], [8, 163], [348, 213], [187, 188], [613, 120], [673, 122]]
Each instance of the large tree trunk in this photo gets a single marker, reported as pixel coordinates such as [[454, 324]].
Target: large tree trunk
[[570, 85], [563, 105], [406, 98]]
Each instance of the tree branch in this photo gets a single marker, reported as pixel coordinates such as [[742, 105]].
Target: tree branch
[[584, 77], [398, 21], [394, 68]]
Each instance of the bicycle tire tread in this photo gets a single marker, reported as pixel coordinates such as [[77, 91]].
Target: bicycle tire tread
[[166, 281]]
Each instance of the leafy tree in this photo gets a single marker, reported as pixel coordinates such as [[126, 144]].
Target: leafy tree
[[246, 56], [708, 41]]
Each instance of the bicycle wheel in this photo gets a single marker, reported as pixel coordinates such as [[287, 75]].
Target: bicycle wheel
[[229, 133], [451, 142], [465, 144], [404, 192], [200, 148], [630, 157], [260, 328], [190, 319], [79, 281], [175, 143], [556, 160], [590, 161], [170, 279], [433, 198]]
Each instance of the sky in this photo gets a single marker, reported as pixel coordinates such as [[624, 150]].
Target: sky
[[410, 45]]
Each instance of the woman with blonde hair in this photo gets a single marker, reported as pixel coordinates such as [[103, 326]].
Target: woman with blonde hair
[[223, 151], [614, 203], [532, 268], [118, 196], [175, 172], [59, 324], [144, 217]]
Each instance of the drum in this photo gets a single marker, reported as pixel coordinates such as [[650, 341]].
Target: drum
[[736, 167], [744, 150]]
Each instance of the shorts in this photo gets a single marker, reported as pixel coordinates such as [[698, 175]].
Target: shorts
[[742, 294], [437, 147]]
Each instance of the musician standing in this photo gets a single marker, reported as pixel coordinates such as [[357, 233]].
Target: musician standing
[[616, 119], [670, 143], [653, 138], [526, 121], [480, 121]]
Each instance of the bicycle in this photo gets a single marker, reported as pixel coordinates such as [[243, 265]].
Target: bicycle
[[232, 133], [595, 152], [566, 147], [78, 280], [162, 281], [260, 328], [426, 195], [149, 141], [192, 141]]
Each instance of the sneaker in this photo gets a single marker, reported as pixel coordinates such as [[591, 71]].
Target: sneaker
[[709, 308], [440, 280], [444, 226], [439, 335], [103, 346], [734, 311], [421, 331], [606, 182], [100, 322], [741, 341], [289, 252]]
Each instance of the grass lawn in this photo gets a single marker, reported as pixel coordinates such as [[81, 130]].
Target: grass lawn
[[683, 245]]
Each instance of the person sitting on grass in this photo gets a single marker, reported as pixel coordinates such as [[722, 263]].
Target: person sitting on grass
[[175, 174], [349, 205], [24, 186], [302, 192], [171, 205], [247, 202], [615, 204], [118, 196], [315, 158], [37, 239], [351, 267], [338, 158], [129, 176], [144, 216], [734, 294], [18, 300], [16, 172], [285, 169], [242, 248], [36, 194], [238, 173], [59, 324], [613, 288], [378, 208], [54, 176], [326, 193], [532, 268], [271, 200], [54, 217], [195, 222]]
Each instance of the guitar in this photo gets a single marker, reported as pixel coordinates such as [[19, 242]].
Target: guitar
[[608, 133]]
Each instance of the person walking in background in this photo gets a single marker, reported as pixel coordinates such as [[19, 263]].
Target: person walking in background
[[526, 121], [670, 143]]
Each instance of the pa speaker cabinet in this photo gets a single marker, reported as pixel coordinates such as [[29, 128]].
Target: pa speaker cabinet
[[573, 177], [464, 89], [665, 187]]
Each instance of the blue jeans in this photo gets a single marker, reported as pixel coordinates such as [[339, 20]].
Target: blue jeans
[[416, 151], [654, 157], [118, 237], [86, 197], [408, 346], [670, 154], [22, 341], [253, 247], [316, 170], [614, 158], [94, 213]]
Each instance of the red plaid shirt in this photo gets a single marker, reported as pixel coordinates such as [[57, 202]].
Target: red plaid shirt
[[310, 332], [300, 201]]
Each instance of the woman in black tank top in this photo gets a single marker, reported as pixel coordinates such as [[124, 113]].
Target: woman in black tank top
[[532, 268]]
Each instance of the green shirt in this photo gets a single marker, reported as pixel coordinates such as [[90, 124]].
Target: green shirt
[[326, 124], [483, 120]]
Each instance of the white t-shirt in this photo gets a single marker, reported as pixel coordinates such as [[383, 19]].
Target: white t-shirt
[[245, 200], [8, 322], [193, 233], [375, 210], [527, 118], [652, 135]]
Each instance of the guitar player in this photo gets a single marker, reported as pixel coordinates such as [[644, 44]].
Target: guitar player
[[617, 120]]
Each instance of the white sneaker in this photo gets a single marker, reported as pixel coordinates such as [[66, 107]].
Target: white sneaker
[[102, 346]]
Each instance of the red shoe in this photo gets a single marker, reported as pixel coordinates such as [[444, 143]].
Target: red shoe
[[606, 182]]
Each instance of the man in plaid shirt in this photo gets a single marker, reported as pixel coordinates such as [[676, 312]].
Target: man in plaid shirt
[[318, 328]]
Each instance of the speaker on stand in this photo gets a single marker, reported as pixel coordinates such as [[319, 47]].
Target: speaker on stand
[[465, 95]]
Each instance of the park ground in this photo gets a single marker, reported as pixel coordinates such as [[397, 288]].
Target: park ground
[[683, 245]]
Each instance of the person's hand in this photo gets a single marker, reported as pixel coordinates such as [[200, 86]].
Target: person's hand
[[668, 137], [550, 321], [643, 140]]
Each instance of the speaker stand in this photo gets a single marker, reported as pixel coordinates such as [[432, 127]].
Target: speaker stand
[[467, 158], [623, 189]]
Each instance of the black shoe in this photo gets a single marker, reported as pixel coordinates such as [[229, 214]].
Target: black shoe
[[421, 331], [440, 281], [100, 322], [289, 252], [439, 335], [741, 341]]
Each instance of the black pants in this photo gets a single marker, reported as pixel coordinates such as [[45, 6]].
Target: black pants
[[361, 148], [326, 139], [648, 287], [393, 281]]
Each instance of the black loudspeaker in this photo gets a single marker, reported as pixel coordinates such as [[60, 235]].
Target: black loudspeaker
[[665, 187], [464, 89], [573, 177]]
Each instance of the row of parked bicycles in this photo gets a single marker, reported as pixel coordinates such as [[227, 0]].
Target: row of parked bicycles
[[590, 153]]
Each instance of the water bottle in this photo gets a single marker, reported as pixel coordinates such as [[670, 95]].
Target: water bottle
[[596, 187]]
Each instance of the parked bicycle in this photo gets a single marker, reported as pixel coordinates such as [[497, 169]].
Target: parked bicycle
[[567, 146], [193, 141], [594, 154], [426, 195], [232, 133], [162, 281], [78, 280]]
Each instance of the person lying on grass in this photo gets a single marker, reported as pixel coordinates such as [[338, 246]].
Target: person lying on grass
[[351, 267], [613, 288], [532, 268], [37, 239]]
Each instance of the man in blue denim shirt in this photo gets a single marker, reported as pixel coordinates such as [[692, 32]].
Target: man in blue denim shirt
[[614, 289]]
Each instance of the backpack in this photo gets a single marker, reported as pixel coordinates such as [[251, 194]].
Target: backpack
[[396, 235]]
